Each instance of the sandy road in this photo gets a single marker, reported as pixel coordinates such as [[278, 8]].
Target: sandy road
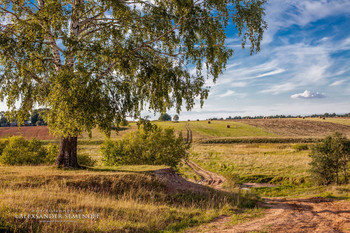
[[283, 215], [208, 178]]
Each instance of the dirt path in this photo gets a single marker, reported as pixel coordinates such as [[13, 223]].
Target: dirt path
[[283, 215], [208, 178]]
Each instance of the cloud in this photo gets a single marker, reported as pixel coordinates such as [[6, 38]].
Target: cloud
[[308, 95], [278, 71], [337, 83], [227, 93], [283, 14]]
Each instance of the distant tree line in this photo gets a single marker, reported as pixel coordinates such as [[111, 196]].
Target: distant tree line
[[35, 119], [283, 116]]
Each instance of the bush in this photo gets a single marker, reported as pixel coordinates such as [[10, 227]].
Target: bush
[[164, 117], [51, 153], [85, 160], [124, 122], [17, 150], [149, 145], [300, 147], [330, 160]]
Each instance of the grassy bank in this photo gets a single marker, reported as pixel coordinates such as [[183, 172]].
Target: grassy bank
[[127, 199]]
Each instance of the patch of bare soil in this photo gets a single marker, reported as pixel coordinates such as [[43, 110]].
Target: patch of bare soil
[[208, 178], [292, 215], [39, 132], [175, 183], [298, 127]]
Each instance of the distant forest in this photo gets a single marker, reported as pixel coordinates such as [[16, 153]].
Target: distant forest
[[283, 116], [35, 119]]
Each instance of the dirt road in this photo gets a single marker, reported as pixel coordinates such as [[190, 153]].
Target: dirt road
[[284, 215], [208, 178]]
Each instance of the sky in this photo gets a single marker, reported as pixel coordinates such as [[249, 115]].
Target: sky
[[303, 67]]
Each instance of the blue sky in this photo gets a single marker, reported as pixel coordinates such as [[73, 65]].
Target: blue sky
[[303, 66]]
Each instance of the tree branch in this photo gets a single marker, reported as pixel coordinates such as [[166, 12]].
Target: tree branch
[[34, 76]]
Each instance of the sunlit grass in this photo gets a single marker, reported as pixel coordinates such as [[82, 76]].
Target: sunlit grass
[[127, 199]]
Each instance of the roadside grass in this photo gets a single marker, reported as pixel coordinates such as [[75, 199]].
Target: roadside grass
[[253, 162], [284, 165], [127, 199]]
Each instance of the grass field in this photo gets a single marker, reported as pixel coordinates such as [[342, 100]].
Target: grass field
[[201, 129], [131, 199], [127, 199]]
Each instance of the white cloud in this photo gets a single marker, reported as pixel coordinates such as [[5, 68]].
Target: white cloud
[[227, 93], [308, 95], [278, 71], [337, 83], [283, 14], [278, 88]]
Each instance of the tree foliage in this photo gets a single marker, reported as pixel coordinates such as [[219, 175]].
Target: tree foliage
[[176, 117], [331, 160], [164, 117], [93, 62], [150, 144]]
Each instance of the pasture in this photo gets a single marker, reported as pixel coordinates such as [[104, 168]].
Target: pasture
[[133, 199]]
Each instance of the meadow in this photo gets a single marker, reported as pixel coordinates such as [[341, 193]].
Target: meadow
[[133, 199]]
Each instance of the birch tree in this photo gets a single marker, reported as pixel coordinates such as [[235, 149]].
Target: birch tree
[[93, 62]]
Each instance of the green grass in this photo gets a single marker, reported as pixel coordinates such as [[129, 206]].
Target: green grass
[[249, 160], [281, 164], [202, 129]]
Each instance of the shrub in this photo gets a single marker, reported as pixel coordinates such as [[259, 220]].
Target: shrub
[[149, 145], [124, 122], [164, 117], [330, 160], [17, 150], [300, 147], [51, 153], [85, 160]]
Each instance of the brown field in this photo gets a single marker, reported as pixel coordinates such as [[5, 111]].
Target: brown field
[[299, 127], [28, 132]]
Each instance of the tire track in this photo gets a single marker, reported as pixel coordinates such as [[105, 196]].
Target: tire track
[[307, 215]]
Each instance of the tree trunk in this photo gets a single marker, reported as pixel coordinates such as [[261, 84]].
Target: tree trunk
[[67, 154]]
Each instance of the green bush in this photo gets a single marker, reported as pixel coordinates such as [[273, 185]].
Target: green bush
[[51, 153], [17, 150], [85, 160], [124, 122], [149, 145], [330, 160], [300, 147]]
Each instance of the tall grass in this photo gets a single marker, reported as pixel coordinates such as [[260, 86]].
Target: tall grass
[[125, 201]]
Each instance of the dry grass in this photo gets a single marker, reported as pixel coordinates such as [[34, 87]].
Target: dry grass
[[129, 201], [300, 127]]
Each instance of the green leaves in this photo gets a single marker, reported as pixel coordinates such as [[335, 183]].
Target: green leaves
[[331, 160], [95, 62], [149, 145]]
